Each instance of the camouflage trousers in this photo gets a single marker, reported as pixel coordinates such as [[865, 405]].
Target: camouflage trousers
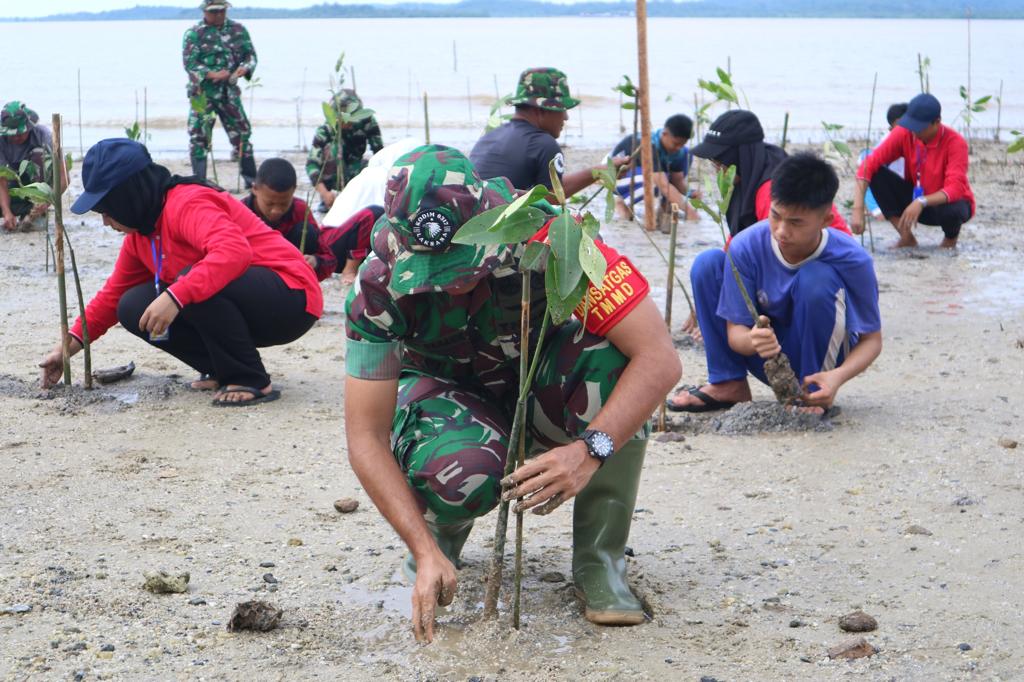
[[451, 439], [227, 106]]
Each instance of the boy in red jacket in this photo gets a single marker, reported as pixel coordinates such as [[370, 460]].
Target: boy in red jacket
[[934, 189]]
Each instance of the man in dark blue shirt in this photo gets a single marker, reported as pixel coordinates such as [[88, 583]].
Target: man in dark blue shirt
[[672, 161]]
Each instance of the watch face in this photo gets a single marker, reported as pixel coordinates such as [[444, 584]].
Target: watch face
[[600, 444]]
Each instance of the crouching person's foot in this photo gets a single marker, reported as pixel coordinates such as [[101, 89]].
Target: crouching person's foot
[[709, 397], [235, 395], [948, 243]]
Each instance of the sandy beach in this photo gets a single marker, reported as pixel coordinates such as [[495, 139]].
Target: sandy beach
[[747, 547]]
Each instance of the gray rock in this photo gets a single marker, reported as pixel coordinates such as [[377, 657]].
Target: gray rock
[[266, 564], [346, 505], [254, 615], [553, 577], [964, 646], [916, 530], [16, 609], [197, 601], [858, 621], [161, 582], [269, 578], [107, 647], [1008, 443]]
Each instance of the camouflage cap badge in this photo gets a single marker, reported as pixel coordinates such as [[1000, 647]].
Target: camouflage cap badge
[[544, 88], [431, 192], [16, 119]]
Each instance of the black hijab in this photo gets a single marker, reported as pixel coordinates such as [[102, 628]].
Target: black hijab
[[138, 201]]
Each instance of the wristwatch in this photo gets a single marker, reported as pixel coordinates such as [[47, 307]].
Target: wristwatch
[[923, 200], [599, 444]]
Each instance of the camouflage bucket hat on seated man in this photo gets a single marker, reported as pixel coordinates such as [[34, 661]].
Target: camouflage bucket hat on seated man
[[431, 192], [544, 88], [16, 119], [214, 5]]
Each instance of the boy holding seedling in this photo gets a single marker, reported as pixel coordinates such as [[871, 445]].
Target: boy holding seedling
[[671, 166], [432, 356], [322, 164], [815, 286], [327, 250], [216, 53], [933, 189], [22, 140], [522, 149]]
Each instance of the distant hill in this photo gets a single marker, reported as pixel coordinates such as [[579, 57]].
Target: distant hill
[[910, 9]]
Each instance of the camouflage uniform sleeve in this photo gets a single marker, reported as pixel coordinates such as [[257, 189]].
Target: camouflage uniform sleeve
[[373, 135], [374, 325], [245, 52], [315, 161], [191, 57]]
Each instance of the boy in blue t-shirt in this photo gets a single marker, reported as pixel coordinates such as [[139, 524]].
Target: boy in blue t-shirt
[[672, 161], [816, 286]]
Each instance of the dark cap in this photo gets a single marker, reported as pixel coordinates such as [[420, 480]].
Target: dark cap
[[922, 111], [732, 129], [107, 164]]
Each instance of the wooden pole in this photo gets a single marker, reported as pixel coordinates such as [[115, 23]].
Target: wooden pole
[[646, 156], [785, 130], [469, 101], [455, 58], [426, 117], [999, 109], [81, 145], [62, 296]]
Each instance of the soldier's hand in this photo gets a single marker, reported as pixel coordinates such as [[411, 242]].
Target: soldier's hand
[[435, 586], [550, 479], [217, 76], [241, 72]]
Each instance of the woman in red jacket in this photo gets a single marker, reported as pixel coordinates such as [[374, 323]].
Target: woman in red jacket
[[199, 276]]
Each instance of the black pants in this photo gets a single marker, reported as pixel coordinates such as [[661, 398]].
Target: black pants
[[894, 194], [220, 335]]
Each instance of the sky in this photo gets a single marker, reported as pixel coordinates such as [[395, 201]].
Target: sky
[[42, 8]]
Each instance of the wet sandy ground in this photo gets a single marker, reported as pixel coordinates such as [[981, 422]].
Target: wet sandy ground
[[748, 548]]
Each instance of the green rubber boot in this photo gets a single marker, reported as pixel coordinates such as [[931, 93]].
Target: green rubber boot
[[600, 527], [450, 538]]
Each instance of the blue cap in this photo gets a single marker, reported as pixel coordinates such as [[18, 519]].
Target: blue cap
[[922, 111], [107, 164]]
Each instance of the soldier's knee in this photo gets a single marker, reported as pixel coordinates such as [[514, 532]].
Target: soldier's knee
[[457, 481]]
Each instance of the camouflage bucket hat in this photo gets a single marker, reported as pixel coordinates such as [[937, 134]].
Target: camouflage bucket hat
[[16, 119], [544, 88], [214, 5], [431, 192], [342, 100]]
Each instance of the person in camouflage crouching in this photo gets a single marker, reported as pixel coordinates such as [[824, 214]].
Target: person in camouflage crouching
[[217, 52], [25, 148], [432, 363], [322, 162]]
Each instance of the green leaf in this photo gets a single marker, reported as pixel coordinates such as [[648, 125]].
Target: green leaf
[[723, 76], [37, 193], [1016, 146], [963, 92], [535, 257], [559, 308], [338, 65], [556, 182], [68, 161], [330, 114], [359, 115], [842, 148], [492, 229], [609, 205], [565, 236], [724, 181], [8, 174], [198, 104], [629, 106], [701, 206], [536, 193], [592, 260], [590, 226]]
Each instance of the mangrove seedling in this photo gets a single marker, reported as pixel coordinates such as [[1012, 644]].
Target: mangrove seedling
[[970, 108], [570, 262]]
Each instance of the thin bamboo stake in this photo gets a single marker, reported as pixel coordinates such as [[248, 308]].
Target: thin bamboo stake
[[999, 109], [86, 345], [352, 72], [426, 117], [785, 130], [469, 101], [524, 335], [579, 111], [455, 58], [632, 159], [81, 145], [646, 156], [62, 297], [969, 100], [871, 116], [673, 232], [145, 115], [622, 126], [920, 71]]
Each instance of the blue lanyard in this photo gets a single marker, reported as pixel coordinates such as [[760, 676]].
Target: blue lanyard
[[158, 261], [920, 155]]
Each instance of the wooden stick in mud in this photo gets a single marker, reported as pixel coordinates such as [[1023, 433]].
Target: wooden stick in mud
[[646, 155], [524, 335], [669, 289], [62, 296], [81, 146], [785, 130], [426, 117]]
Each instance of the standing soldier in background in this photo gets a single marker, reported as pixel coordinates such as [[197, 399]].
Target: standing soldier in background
[[322, 163], [216, 53]]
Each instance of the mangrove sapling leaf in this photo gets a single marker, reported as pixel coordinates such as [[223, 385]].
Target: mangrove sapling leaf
[[565, 236], [591, 228], [533, 196], [37, 192], [592, 260], [489, 228], [535, 257], [561, 308], [556, 183], [330, 115], [133, 132], [1017, 144], [7, 173]]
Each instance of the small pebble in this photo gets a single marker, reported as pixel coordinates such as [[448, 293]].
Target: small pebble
[[266, 564], [107, 647], [1008, 443], [806, 659], [916, 530], [964, 646], [197, 601], [331, 569], [858, 621], [269, 578], [16, 609], [796, 623], [346, 505], [294, 542], [629, 552], [851, 649], [552, 577]]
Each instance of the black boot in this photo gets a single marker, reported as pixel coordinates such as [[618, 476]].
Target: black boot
[[247, 168], [199, 168]]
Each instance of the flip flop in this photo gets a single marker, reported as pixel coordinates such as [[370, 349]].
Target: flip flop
[[258, 396], [708, 404]]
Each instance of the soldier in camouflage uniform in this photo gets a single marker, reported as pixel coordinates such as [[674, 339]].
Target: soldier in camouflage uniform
[[25, 147], [216, 53], [322, 163], [432, 360], [522, 148]]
